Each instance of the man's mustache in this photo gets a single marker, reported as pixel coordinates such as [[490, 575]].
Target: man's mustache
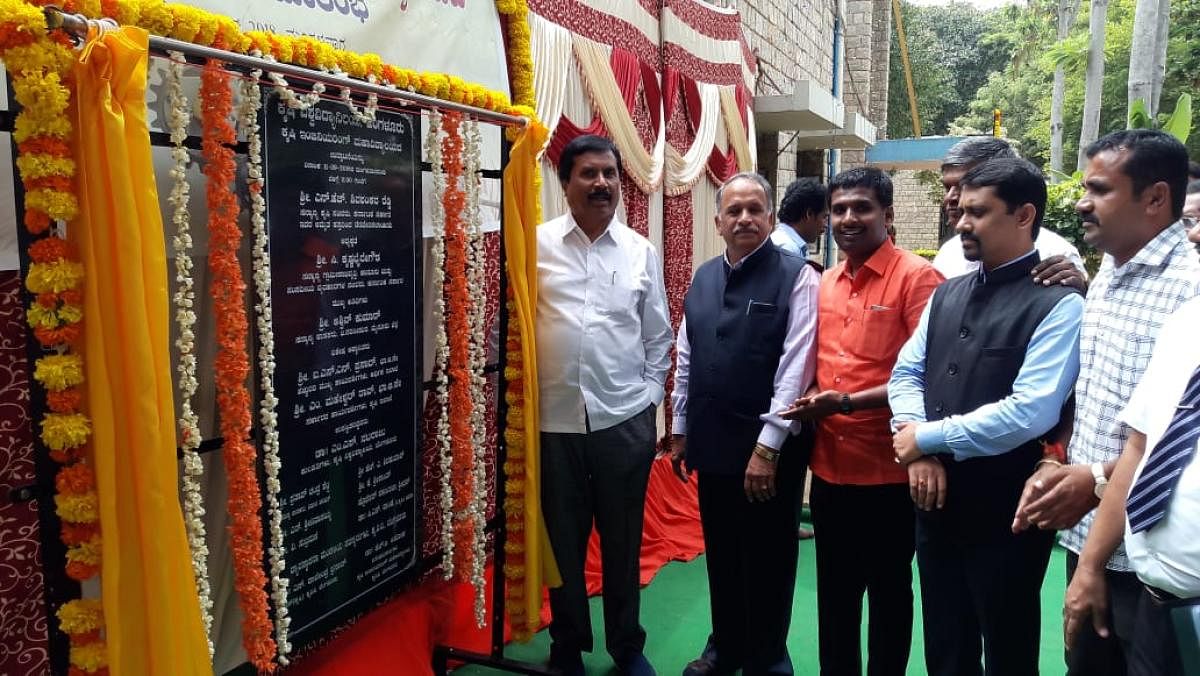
[[602, 192], [1090, 218], [968, 237]]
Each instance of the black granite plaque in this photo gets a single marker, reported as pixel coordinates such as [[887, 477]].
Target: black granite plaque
[[343, 209]]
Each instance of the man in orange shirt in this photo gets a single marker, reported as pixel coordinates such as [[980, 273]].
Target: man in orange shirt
[[861, 499]]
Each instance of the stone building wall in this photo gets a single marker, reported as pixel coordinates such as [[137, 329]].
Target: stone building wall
[[917, 212]]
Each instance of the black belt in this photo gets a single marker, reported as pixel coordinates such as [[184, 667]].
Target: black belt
[[1166, 598]]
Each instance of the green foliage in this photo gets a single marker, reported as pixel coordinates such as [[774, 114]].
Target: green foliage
[[1062, 218], [1177, 124], [949, 63], [1021, 84], [927, 254]]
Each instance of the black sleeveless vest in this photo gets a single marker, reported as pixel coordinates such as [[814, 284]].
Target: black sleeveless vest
[[736, 324]]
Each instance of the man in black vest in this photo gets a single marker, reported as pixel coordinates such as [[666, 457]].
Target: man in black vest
[[984, 376], [745, 351]]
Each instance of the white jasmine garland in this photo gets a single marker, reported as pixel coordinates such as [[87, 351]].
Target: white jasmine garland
[[178, 117], [433, 153], [476, 274], [367, 114], [249, 106], [289, 97]]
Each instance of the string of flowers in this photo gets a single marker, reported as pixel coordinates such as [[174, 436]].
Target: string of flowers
[[251, 103], [178, 116], [476, 268], [40, 66], [367, 113], [198, 26], [520, 75], [519, 52], [458, 328], [514, 482], [441, 355], [232, 365], [289, 97]]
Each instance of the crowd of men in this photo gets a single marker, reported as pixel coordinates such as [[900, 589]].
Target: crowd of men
[[965, 410]]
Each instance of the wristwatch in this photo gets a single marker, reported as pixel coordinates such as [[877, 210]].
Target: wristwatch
[[1101, 480], [845, 406]]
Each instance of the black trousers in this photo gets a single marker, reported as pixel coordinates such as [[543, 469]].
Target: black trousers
[[1094, 655], [980, 584], [600, 476], [865, 547], [1142, 639], [751, 552]]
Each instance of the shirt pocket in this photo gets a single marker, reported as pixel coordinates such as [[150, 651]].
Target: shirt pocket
[[1135, 351], [880, 331], [619, 296]]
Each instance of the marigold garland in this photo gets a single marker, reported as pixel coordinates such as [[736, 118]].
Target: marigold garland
[[458, 328], [232, 365], [201, 27]]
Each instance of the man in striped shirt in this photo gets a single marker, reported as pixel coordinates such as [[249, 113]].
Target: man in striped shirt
[[1133, 198]]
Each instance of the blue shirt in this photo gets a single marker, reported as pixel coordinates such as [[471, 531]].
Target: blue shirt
[[785, 237], [1046, 378]]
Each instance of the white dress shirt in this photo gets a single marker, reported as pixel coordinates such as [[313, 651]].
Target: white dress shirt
[[793, 376], [1167, 556], [603, 332], [951, 263]]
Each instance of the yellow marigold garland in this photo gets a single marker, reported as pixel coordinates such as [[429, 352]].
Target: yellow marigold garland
[[40, 64], [199, 26]]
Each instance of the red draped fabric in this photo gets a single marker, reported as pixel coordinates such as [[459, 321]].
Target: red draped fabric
[[23, 624], [628, 72], [721, 165], [677, 216]]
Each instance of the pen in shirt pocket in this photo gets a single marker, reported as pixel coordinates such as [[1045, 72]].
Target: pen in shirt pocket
[[879, 307]]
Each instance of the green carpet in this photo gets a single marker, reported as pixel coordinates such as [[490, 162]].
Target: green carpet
[[675, 615]]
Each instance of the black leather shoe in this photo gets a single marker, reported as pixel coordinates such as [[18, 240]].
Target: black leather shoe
[[565, 661], [636, 665], [705, 666]]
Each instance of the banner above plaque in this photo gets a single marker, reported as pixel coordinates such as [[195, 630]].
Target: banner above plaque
[[423, 35]]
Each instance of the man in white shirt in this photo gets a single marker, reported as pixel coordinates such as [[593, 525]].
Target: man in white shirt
[[1153, 502], [1061, 262], [603, 343], [802, 215]]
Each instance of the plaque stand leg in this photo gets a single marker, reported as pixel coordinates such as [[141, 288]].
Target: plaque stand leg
[[444, 655]]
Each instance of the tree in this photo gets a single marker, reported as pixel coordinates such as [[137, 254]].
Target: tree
[[1090, 128], [1066, 18], [1145, 69], [949, 64]]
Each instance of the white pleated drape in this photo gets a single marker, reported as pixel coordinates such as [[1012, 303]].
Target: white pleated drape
[[684, 170], [550, 45], [644, 167]]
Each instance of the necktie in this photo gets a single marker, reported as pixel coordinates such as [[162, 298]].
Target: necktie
[[1151, 493]]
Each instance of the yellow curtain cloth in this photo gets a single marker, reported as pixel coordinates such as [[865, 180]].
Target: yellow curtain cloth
[[151, 610], [522, 213]]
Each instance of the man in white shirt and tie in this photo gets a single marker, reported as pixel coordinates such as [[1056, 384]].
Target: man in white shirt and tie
[[603, 344]]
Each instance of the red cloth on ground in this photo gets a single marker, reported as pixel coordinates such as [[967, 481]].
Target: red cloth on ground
[[399, 636]]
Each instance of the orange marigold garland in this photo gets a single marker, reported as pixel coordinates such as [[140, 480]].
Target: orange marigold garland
[[232, 365], [458, 329], [514, 484], [40, 65]]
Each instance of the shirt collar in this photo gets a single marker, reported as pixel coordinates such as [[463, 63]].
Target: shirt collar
[[569, 225], [1157, 251], [740, 263], [879, 261], [794, 236], [997, 275]]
